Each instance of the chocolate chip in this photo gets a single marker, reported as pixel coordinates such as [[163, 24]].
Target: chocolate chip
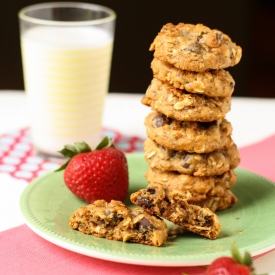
[[158, 121], [151, 191], [145, 225], [172, 153], [194, 48], [117, 218], [185, 163], [114, 218], [145, 202], [207, 221]]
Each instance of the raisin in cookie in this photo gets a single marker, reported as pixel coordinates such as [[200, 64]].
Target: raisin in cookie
[[207, 164], [192, 186], [115, 221], [171, 205], [181, 105], [190, 136], [211, 83], [195, 47]]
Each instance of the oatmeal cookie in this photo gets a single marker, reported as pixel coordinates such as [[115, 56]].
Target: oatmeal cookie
[[215, 203], [181, 105], [215, 83], [191, 186], [115, 221], [207, 164], [159, 200], [195, 47], [190, 136]]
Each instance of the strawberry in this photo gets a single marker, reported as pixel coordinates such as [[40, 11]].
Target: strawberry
[[96, 174], [235, 265]]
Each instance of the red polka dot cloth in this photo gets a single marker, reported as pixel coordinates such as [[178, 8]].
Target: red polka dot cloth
[[18, 159]]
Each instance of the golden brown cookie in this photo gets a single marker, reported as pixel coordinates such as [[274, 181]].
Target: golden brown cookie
[[159, 200], [215, 83], [190, 136], [215, 203], [195, 47], [182, 105], [192, 186], [115, 221], [205, 164]]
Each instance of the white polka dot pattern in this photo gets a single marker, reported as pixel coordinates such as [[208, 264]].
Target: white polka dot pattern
[[18, 158]]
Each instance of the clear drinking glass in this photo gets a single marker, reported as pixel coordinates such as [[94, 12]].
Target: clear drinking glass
[[66, 54]]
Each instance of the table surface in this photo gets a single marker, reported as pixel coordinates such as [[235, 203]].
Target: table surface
[[251, 118]]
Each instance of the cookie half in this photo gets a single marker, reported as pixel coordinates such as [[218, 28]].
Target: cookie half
[[205, 164], [181, 105], [171, 205], [190, 136], [195, 47], [115, 221], [215, 83]]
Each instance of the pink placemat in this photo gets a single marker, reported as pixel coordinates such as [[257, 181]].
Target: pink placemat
[[260, 157], [24, 252]]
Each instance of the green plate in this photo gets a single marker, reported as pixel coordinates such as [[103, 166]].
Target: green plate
[[46, 205]]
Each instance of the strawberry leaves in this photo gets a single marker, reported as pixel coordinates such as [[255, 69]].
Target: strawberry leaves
[[246, 259], [105, 143], [236, 264], [69, 151]]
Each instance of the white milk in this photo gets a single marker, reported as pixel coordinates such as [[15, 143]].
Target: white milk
[[66, 74]]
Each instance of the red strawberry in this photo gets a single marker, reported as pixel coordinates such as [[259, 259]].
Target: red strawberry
[[235, 265], [99, 174], [227, 266]]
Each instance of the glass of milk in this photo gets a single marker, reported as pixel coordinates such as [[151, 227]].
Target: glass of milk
[[66, 54]]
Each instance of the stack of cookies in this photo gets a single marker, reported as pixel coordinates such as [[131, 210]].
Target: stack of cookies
[[189, 149]]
